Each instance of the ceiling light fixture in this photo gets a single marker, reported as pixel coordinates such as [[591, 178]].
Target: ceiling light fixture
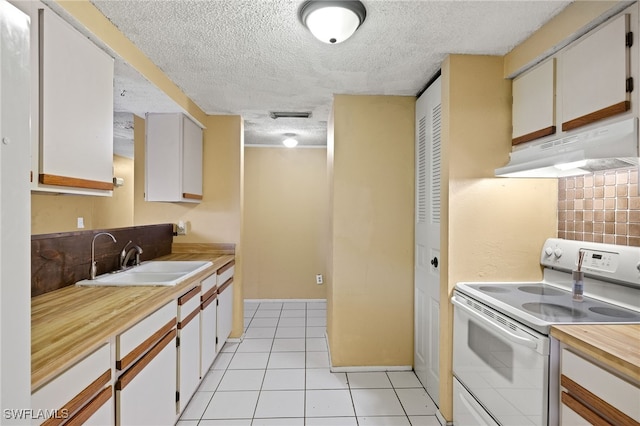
[[290, 142], [332, 21]]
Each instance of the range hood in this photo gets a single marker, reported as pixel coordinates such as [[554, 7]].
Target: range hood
[[611, 146]]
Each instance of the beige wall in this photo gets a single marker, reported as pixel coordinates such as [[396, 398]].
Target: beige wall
[[285, 223], [59, 213], [117, 211], [218, 218], [371, 295], [493, 228]]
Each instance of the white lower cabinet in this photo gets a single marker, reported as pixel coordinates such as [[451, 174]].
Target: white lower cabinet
[[146, 360], [188, 346], [208, 324], [592, 395], [81, 395]]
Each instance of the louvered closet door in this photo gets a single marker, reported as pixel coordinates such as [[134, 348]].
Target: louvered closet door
[[427, 239]]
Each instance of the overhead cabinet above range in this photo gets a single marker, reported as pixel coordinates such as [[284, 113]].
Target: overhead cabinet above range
[[588, 81], [72, 109], [173, 159]]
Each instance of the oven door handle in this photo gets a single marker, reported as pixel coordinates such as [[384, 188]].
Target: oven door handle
[[507, 334]]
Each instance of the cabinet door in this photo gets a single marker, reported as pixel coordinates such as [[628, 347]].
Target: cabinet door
[[534, 99], [208, 320], [145, 394], [189, 346], [192, 158], [594, 76], [173, 159], [225, 312], [163, 157], [76, 108]]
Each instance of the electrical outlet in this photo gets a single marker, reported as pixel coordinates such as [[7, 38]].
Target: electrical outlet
[[181, 228], [319, 279], [80, 222]]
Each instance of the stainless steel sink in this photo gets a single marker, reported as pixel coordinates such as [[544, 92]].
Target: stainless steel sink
[[151, 273]]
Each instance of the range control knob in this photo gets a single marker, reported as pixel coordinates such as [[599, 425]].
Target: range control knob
[[548, 251], [558, 253]]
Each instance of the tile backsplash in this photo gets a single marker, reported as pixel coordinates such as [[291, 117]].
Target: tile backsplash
[[603, 207]]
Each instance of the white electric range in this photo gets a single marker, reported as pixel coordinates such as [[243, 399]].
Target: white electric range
[[505, 368]]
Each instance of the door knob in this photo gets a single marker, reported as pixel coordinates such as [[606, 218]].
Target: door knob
[[434, 262]]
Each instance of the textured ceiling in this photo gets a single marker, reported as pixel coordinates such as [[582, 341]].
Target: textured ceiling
[[249, 57]]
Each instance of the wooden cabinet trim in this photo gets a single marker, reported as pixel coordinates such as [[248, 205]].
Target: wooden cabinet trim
[[191, 196], [208, 301], [226, 267], [182, 324], [81, 399], [211, 293], [89, 410], [226, 284], [47, 179], [582, 410], [602, 407], [534, 135], [130, 374], [188, 295], [596, 115], [143, 347]]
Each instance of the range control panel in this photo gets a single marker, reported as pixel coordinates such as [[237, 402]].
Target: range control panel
[[602, 261], [594, 260]]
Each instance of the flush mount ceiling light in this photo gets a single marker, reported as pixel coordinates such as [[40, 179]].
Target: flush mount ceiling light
[[290, 142], [332, 21]]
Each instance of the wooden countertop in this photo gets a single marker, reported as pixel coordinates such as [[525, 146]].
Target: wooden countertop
[[615, 345], [68, 324]]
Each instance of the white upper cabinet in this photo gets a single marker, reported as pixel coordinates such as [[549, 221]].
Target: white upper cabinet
[[72, 150], [594, 75], [534, 100], [173, 159], [589, 80]]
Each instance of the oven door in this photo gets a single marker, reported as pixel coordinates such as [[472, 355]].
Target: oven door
[[503, 364]]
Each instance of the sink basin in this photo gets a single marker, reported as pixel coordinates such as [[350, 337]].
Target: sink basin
[[175, 266], [152, 273]]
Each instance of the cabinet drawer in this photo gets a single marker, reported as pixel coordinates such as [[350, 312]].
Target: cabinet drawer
[[208, 283], [188, 303], [613, 390], [226, 272], [137, 340], [75, 387]]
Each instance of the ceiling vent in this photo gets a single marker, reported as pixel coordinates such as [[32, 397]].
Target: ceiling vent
[[285, 114]]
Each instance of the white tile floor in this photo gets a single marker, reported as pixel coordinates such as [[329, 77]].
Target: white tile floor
[[279, 376]]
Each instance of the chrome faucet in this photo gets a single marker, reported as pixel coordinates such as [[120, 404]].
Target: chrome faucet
[[92, 274], [125, 255]]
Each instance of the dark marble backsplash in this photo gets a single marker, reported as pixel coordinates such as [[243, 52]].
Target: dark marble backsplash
[[62, 259]]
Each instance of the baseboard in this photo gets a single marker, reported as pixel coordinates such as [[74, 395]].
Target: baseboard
[[365, 368], [284, 300], [236, 339], [441, 419]]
